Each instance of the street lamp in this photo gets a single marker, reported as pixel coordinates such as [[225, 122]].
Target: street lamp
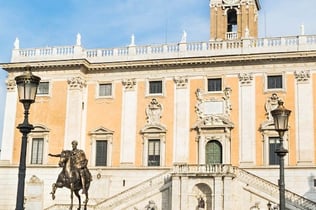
[[281, 118], [27, 87]]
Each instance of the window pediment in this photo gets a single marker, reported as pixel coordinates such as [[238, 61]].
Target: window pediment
[[101, 131], [154, 129], [213, 121], [40, 129]]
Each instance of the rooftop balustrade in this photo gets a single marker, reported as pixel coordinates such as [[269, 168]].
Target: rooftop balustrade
[[166, 51]]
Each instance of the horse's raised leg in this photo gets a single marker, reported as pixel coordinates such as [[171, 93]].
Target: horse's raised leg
[[79, 198]]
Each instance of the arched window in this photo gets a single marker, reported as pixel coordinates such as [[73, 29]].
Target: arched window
[[213, 152], [231, 20]]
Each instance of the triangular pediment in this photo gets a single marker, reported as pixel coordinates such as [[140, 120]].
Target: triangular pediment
[[101, 131]]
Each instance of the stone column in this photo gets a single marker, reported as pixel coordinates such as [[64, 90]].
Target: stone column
[[76, 102], [247, 123], [181, 121], [9, 120], [304, 118], [129, 117]]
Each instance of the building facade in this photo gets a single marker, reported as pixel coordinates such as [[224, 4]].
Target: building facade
[[173, 126]]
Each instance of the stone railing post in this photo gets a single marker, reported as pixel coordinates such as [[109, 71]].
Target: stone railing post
[[245, 45], [302, 42], [78, 51], [131, 50]]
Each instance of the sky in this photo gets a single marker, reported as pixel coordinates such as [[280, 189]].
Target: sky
[[110, 23]]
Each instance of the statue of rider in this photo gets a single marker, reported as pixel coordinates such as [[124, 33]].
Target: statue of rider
[[80, 163]]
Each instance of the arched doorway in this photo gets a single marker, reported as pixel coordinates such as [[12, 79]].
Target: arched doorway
[[213, 152], [201, 199]]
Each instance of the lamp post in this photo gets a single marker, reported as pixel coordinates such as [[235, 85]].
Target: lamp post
[[281, 118], [27, 87]]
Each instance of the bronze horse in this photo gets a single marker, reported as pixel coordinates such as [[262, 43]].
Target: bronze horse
[[70, 178]]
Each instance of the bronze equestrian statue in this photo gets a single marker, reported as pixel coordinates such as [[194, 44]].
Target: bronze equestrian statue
[[74, 175]]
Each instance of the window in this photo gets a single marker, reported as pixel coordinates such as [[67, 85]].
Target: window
[[101, 153], [43, 88], [105, 89], [213, 152], [37, 151], [155, 87], [231, 20], [274, 144], [275, 82], [214, 84], [154, 152]]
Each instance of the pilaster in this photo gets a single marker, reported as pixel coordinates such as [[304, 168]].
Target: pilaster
[[247, 119], [218, 194], [129, 117], [304, 118], [9, 120], [181, 121], [76, 101]]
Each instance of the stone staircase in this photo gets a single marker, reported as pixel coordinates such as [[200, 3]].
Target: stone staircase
[[252, 183], [123, 200], [265, 188]]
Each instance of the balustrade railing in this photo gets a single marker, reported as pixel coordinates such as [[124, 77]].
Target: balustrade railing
[[233, 47], [272, 189], [137, 190]]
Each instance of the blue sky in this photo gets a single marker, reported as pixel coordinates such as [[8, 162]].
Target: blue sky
[[110, 23]]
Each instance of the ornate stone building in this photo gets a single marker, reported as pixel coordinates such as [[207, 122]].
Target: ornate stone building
[[174, 126]]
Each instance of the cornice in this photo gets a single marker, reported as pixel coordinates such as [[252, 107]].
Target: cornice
[[170, 63]]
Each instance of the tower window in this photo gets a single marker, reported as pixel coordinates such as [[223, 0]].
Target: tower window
[[231, 20], [231, 33]]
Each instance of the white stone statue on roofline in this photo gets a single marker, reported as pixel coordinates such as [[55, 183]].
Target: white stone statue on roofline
[[132, 40], [78, 40], [17, 44], [184, 37]]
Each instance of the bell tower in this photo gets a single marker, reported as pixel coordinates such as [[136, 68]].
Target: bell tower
[[233, 19]]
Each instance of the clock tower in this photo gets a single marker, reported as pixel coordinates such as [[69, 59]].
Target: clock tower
[[234, 19]]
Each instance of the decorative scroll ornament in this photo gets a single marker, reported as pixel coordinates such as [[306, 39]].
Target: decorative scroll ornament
[[129, 84], [10, 84], [154, 112], [227, 95], [302, 76], [271, 104], [213, 106], [245, 78], [76, 83], [181, 82]]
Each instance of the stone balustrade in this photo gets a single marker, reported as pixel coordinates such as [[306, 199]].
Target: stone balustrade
[[165, 51]]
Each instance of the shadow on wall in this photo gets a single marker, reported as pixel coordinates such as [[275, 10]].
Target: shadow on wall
[[311, 193]]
